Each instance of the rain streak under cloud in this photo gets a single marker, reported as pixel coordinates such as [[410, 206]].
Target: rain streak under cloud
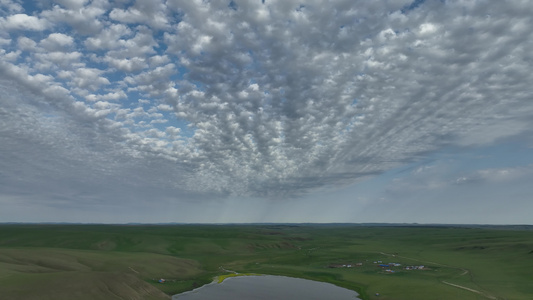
[[183, 101]]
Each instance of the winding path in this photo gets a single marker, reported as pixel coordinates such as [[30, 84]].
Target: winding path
[[229, 271], [469, 289], [465, 271]]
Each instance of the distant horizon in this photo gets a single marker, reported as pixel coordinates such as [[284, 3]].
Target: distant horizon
[[271, 223]]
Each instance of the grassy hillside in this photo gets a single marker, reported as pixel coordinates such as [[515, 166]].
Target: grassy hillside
[[114, 262]]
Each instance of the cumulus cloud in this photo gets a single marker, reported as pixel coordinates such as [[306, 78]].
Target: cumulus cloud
[[89, 78], [23, 22], [57, 42], [82, 19], [148, 12], [9, 6], [25, 43], [267, 99], [73, 4], [109, 38]]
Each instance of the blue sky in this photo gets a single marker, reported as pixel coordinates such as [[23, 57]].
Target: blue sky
[[266, 111]]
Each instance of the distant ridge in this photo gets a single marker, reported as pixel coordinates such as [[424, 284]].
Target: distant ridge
[[428, 225]]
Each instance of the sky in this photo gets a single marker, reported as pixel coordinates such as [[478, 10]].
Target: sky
[[199, 111]]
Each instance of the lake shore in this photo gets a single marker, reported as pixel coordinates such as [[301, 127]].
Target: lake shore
[[258, 286]]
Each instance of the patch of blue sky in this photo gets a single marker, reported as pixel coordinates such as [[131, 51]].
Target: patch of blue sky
[[252, 81], [36, 36], [132, 100], [415, 4], [185, 129], [348, 127], [467, 160], [178, 76], [23, 56], [300, 8], [159, 37], [113, 75], [233, 5], [504, 155], [30, 7], [199, 85]]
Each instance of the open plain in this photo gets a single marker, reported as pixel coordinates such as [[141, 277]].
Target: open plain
[[379, 262]]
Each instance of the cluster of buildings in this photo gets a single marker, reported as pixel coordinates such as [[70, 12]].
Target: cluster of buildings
[[414, 267], [345, 265], [382, 265], [387, 267]]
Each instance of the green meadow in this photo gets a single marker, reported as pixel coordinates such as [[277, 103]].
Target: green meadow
[[127, 262]]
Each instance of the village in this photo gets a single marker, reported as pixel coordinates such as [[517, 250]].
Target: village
[[387, 267]]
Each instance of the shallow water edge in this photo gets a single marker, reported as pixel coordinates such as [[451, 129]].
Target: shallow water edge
[[259, 287]]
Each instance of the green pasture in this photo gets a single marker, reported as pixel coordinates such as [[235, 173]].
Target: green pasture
[[126, 262]]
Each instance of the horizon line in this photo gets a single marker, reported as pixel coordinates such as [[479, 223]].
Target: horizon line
[[414, 224]]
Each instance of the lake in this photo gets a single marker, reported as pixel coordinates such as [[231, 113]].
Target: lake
[[268, 287]]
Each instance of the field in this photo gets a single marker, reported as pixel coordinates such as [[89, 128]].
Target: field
[[126, 262]]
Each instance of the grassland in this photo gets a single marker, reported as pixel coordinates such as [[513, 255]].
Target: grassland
[[126, 262]]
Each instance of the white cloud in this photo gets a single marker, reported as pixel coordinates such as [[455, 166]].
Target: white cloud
[[73, 4], [154, 81], [147, 12], [4, 42], [427, 29], [109, 38], [89, 78], [57, 42], [173, 131], [158, 60], [25, 43], [129, 65], [113, 96], [23, 22], [165, 107], [10, 56], [9, 6], [51, 60], [83, 19]]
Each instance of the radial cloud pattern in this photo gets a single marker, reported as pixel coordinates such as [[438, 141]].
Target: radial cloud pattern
[[274, 98]]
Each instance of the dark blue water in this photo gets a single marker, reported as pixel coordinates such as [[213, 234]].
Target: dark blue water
[[268, 287]]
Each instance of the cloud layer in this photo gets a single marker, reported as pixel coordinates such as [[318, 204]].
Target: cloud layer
[[246, 98]]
